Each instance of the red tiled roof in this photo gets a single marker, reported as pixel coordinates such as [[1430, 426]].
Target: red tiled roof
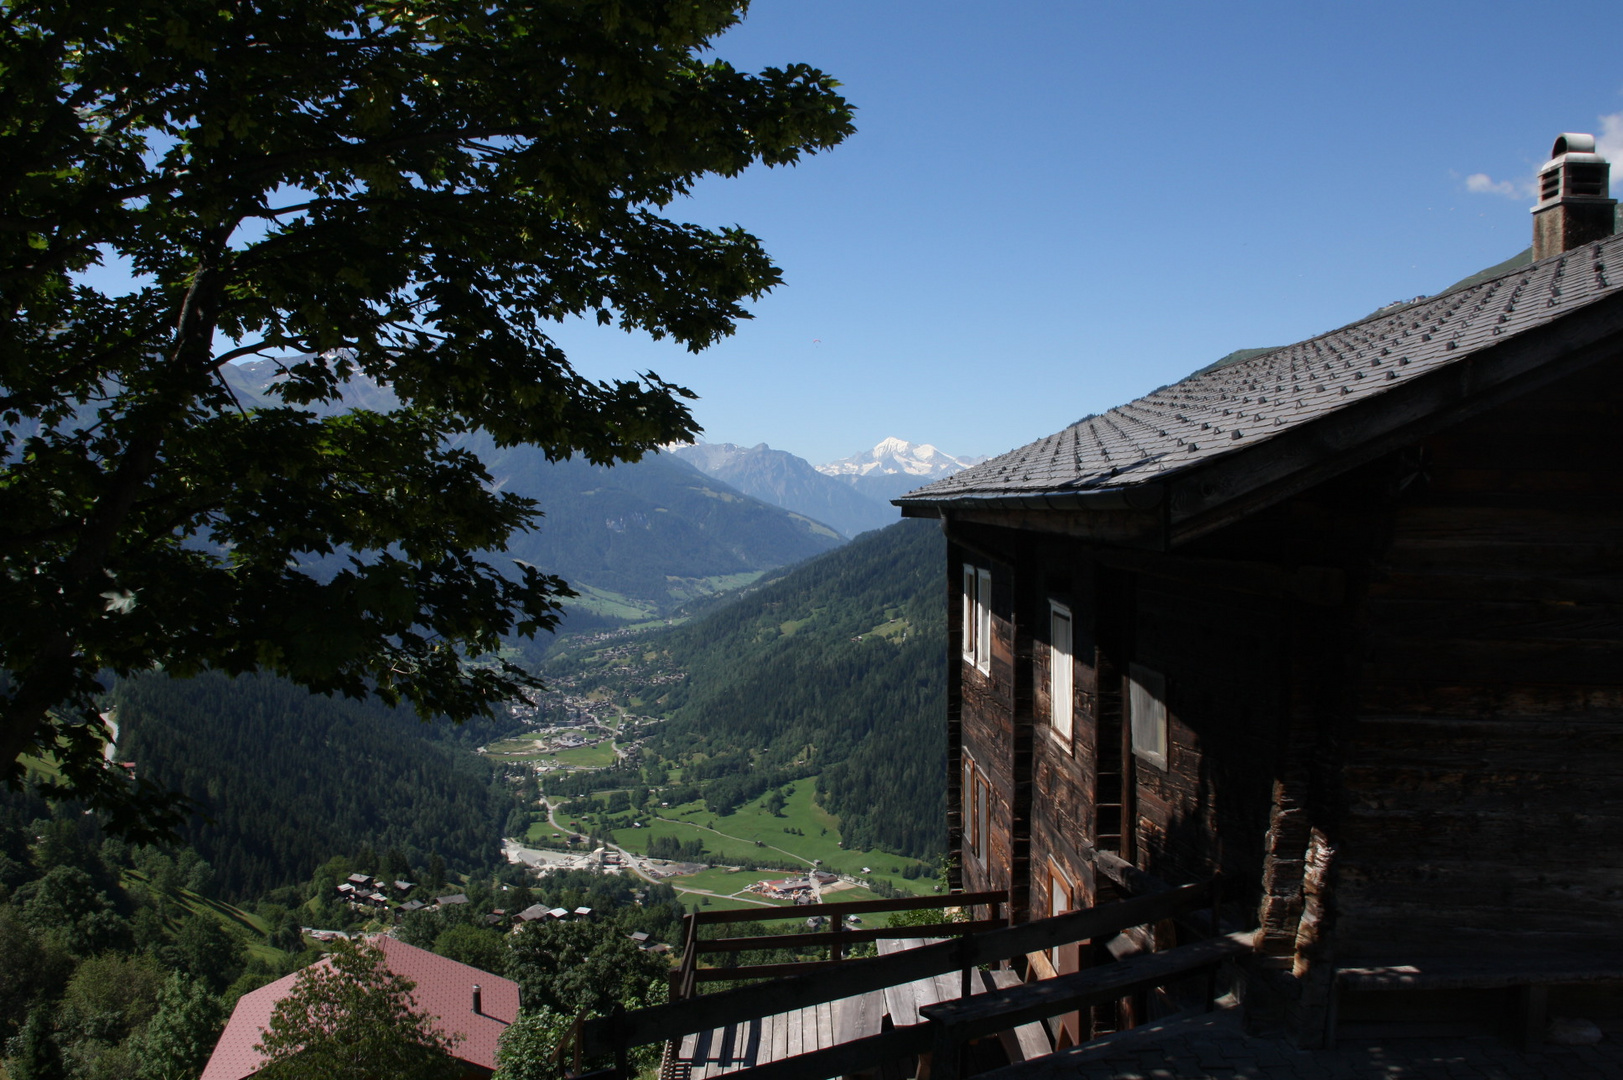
[[444, 990]]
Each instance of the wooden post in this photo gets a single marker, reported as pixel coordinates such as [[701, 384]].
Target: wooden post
[[945, 1054], [1533, 1005], [1217, 930], [967, 967], [835, 950], [622, 1069]]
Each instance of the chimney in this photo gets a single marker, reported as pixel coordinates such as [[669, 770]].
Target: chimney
[[1574, 203], [477, 1002]]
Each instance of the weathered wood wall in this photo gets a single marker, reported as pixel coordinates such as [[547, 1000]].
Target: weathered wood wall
[[1412, 673], [986, 722], [1484, 776]]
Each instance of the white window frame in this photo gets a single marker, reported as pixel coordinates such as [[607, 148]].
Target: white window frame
[[971, 836], [977, 617], [1057, 880], [1061, 672], [983, 812], [1147, 714]]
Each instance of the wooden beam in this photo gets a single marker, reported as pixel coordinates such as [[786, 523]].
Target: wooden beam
[[843, 1059], [851, 907], [956, 1022]]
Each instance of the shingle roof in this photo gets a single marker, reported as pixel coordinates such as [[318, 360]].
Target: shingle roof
[[1216, 413], [444, 990]]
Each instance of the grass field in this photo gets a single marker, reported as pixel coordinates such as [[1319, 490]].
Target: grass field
[[230, 915], [586, 757], [540, 831], [717, 903], [725, 882], [611, 604], [735, 837]]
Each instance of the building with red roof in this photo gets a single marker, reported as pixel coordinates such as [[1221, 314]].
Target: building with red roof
[[471, 1006]]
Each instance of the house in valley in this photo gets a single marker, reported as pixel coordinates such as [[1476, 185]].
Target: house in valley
[[1342, 621]]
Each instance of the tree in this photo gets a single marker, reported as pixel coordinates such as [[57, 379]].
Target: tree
[[574, 965], [180, 1037], [34, 1053], [351, 1017], [475, 946], [354, 189], [527, 1049]]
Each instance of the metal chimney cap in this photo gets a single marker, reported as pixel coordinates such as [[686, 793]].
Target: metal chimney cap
[[1573, 142]]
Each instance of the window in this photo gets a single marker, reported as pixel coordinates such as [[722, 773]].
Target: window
[[1147, 710], [983, 799], [977, 793], [1061, 699], [1059, 902], [971, 833], [977, 623]]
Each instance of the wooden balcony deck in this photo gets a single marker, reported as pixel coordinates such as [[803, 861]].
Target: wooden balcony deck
[[745, 1045]]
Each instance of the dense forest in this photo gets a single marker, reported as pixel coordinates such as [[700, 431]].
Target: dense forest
[[282, 778], [121, 963]]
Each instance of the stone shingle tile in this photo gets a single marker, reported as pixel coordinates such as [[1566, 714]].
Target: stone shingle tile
[[1213, 413]]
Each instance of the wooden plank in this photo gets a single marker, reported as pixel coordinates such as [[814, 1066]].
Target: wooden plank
[[825, 1024], [858, 1017], [843, 937], [1025, 1041], [771, 1049], [844, 1058], [795, 1031], [851, 907], [835, 981]]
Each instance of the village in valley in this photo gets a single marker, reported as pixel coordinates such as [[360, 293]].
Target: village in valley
[[765, 853]]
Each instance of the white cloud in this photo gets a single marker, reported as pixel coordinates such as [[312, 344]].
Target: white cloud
[[1609, 142], [1483, 184]]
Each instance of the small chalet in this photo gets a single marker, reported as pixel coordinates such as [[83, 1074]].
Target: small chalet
[[472, 1006], [1343, 621]]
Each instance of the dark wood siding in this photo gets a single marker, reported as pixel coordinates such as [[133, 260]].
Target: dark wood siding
[[1483, 779], [987, 727], [1223, 656], [1064, 771]]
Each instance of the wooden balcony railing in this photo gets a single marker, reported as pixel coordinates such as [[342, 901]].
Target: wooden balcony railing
[[947, 1026], [838, 939]]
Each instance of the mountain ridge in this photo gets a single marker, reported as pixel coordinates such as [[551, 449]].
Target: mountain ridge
[[783, 479]]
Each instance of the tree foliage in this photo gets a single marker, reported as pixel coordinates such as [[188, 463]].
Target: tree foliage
[[528, 1049], [351, 1018], [409, 194]]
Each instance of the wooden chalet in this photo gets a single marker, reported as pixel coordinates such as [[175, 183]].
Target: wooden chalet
[[1343, 622]]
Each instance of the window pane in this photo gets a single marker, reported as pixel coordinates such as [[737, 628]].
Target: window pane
[[1147, 707], [1059, 902], [983, 627], [1060, 693], [970, 619], [968, 795], [986, 820]]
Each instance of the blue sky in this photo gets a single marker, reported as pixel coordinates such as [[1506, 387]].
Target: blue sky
[[1052, 207]]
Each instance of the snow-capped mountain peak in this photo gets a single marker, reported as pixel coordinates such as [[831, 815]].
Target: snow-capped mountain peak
[[894, 467]]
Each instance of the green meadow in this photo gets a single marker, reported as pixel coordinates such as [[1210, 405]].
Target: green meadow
[[798, 834]]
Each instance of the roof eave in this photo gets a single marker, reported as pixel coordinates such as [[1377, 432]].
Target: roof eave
[[1125, 497]]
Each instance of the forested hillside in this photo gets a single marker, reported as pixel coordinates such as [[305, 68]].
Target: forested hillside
[[285, 779], [639, 539], [837, 668]]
